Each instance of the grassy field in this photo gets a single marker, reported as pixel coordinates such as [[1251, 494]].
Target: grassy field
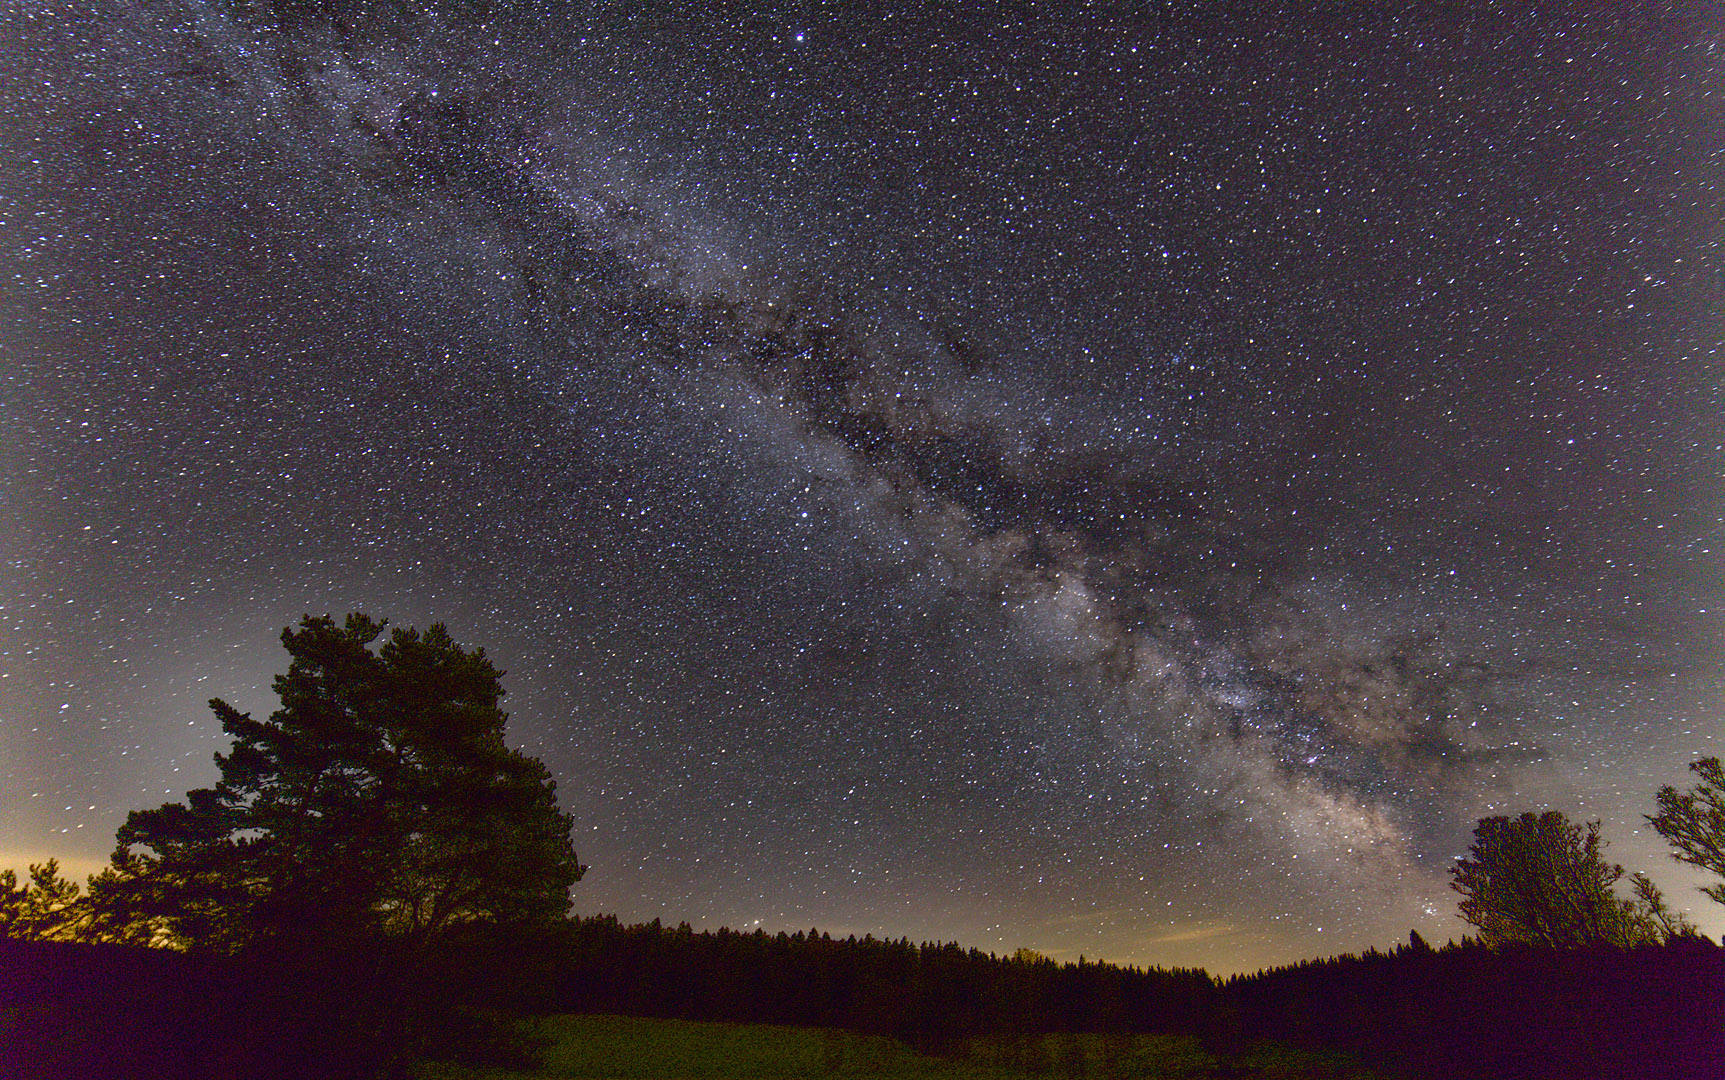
[[625, 1048]]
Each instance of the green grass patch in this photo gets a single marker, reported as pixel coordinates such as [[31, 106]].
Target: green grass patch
[[629, 1048]]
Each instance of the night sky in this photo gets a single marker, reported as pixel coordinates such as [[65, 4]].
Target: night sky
[[1138, 485]]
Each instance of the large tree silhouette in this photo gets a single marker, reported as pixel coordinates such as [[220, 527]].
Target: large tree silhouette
[[376, 858], [1540, 879], [378, 800]]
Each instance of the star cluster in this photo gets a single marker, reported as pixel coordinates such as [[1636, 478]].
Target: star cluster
[[1139, 485]]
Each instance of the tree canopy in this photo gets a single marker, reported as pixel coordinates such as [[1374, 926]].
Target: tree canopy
[[378, 800], [1693, 822], [1540, 879], [45, 907]]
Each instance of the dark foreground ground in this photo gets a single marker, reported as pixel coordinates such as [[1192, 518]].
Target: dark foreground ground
[[640, 1049], [750, 1005]]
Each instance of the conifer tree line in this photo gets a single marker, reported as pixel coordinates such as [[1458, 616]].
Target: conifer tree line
[[377, 878]]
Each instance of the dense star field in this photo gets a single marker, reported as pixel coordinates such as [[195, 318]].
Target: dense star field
[[1130, 484]]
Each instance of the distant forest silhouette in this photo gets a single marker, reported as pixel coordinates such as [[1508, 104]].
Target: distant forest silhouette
[[1652, 1012]]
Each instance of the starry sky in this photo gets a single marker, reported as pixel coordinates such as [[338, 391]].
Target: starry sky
[[1131, 480]]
